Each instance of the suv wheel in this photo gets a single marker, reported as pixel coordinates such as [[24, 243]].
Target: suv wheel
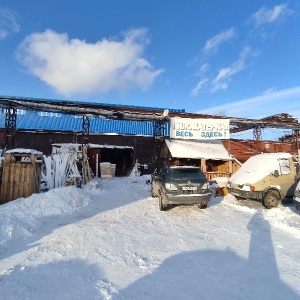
[[270, 200], [203, 205]]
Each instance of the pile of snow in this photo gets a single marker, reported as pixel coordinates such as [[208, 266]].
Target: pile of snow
[[23, 217]]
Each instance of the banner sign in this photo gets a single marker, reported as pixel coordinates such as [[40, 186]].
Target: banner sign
[[199, 129]]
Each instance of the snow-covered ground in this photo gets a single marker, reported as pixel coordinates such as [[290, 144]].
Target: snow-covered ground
[[113, 242]]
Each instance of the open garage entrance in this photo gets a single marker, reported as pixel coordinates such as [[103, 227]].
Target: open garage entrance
[[121, 156]]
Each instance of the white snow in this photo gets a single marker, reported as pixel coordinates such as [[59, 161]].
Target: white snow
[[212, 149], [22, 150], [112, 242]]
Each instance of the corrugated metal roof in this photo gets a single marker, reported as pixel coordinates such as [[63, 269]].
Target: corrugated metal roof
[[32, 120]]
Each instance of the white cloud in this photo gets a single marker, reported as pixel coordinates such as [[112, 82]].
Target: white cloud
[[220, 82], [269, 91], [269, 15], [283, 101], [213, 43], [73, 66], [204, 69], [8, 22], [200, 84]]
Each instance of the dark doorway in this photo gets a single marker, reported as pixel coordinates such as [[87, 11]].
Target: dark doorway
[[121, 157]]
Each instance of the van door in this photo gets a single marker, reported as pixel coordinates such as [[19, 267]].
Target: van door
[[286, 178]]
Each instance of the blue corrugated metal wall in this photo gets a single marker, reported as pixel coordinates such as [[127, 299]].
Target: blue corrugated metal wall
[[32, 120]]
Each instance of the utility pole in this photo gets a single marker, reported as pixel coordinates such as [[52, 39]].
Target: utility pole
[[257, 138]]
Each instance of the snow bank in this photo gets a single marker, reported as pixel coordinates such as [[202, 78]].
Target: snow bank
[[23, 217]]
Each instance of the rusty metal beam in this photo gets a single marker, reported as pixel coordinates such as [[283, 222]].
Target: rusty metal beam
[[10, 128], [280, 121]]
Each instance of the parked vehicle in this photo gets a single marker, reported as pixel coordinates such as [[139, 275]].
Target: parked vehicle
[[268, 178], [180, 185], [297, 196]]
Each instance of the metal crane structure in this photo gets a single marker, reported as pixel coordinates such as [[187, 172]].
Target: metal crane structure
[[159, 118], [86, 110]]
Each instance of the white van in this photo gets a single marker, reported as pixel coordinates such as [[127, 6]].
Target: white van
[[268, 178]]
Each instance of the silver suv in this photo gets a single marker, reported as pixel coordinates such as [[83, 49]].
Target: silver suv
[[180, 185]]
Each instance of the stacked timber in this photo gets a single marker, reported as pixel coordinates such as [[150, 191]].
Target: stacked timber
[[105, 170], [113, 170]]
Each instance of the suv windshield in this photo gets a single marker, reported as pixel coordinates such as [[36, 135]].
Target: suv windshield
[[187, 174]]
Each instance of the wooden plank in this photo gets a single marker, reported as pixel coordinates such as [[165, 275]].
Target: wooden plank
[[15, 179], [21, 177], [5, 178]]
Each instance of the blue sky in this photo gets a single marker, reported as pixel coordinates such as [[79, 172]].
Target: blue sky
[[224, 57]]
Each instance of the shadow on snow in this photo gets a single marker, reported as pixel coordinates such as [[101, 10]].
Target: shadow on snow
[[217, 274]]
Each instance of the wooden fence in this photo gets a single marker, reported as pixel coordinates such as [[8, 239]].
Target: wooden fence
[[211, 175], [21, 176]]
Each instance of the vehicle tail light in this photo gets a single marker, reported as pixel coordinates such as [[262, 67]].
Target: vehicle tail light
[[252, 188], [170, 187]]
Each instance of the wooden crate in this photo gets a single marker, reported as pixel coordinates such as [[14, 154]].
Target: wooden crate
[[21, 175]]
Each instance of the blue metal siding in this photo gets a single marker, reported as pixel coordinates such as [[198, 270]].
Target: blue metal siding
[[34, 121]]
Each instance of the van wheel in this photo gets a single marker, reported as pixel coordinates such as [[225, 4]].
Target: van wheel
[[270, 200]]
